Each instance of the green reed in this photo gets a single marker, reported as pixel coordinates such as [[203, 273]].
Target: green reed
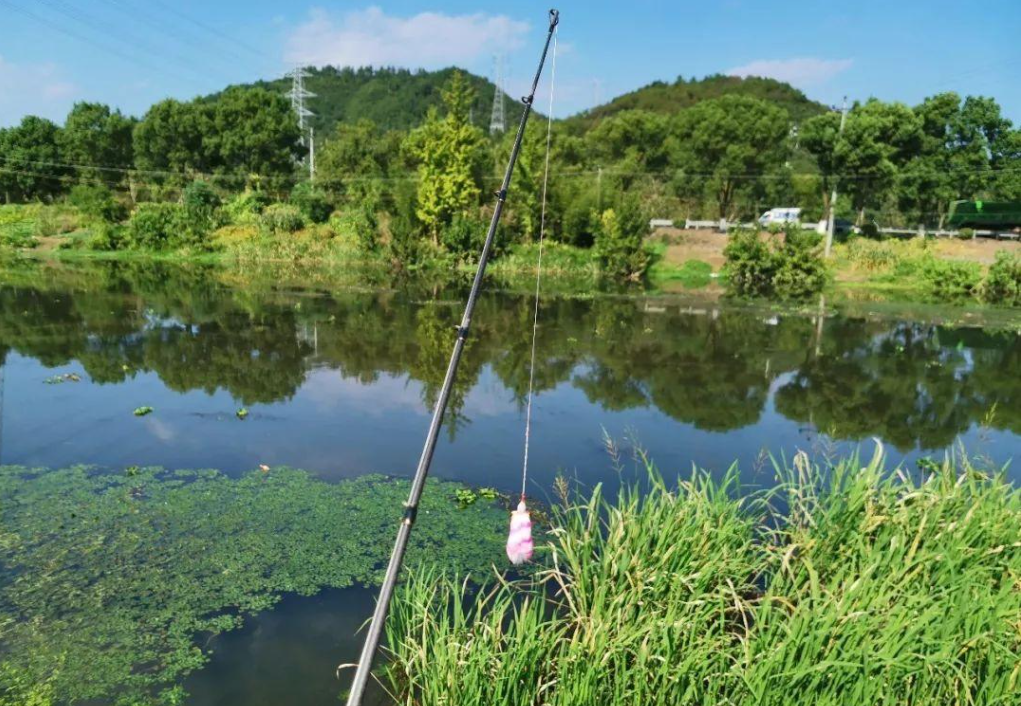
[[846, 585]]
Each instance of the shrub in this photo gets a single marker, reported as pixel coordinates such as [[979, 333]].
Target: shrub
[[312, 202], [157, 226], [952, 279], [464, 236], [966, 234], [18, 235], [791, 267], [359, 225], [281, 218], [870, 255], [749, 263], [619, 243], [245, 208], [107, 237], [1003, 282], [96, 202]]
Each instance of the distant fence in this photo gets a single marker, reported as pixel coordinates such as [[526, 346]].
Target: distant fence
[[723, 226]]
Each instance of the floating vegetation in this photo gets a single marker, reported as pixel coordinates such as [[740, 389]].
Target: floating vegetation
[[869, 588], [66, 377], [143, 411], [113, 583], [467, 496], [241, 413]]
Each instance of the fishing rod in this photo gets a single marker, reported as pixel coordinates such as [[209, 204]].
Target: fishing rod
[[375, 631]]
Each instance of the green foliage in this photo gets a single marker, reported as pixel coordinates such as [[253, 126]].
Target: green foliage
[[871, 587], [170, 137], [1003, 281], [619, 244], [668, 99], [358, 224], [251, 132], [449, 154], [96, 138], [312, 202], [143, 411], [788, 267], [393, 98], [464, 236], [871, 255], [97, 203], [30, 160], [282, 218], [157, 226], [952, 279], [966, 234], [246, 206], [720, 142], [122, 577]]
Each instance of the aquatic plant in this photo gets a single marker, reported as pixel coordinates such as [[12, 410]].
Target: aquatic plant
[[113, 582], [863, 586]]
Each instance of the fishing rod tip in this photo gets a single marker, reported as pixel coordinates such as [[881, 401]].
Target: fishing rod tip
[[554, 18]]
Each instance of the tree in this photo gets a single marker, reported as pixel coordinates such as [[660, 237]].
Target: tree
[[619, 241], [98, 141], [253, 134], [717, 144], [878, 140], [449, 155], [170, 138], [352, 163], [818, 135], [29, 160], [956, 152]]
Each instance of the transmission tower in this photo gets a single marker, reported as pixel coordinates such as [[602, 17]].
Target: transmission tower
[[497, 123], [298, 94]]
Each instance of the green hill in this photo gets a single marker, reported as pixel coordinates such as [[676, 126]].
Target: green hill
[[662, 97], [390, 97]]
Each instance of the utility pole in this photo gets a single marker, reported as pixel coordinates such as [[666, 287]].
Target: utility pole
[[830, 222], [497, 121], [311, 154]]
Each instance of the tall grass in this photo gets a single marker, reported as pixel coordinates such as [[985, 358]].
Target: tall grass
[[859, 586]]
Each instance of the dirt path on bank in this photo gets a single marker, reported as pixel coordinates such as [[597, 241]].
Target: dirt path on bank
[[707, 245]]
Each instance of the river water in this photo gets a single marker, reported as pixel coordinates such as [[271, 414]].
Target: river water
[[340, 382]]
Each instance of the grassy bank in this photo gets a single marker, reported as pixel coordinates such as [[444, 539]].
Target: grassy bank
[[847, 586]]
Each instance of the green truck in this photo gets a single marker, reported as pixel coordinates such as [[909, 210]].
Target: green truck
[[997, 216]]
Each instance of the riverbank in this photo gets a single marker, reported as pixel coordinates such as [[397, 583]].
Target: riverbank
[[848, 584], [680, 260]]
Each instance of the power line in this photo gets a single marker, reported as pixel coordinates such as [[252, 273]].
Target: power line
[[141, 15], [102, 27], [211, 30], [84, 39]]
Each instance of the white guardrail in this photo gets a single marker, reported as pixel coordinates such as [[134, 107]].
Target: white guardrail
[[723, 226]]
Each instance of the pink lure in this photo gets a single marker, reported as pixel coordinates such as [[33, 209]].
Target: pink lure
[[519, 541]]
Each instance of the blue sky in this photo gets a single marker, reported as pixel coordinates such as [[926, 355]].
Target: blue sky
[[131, 53]]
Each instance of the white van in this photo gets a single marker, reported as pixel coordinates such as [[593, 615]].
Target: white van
[[780, 216]]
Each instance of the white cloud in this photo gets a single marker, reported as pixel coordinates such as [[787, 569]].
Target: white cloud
[[371, 37], [37, 89], [801, 72]]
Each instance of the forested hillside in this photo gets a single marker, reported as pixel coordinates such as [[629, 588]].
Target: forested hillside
[[662, 97], [393, 99]]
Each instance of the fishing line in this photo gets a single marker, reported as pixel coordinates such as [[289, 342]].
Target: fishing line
[[538, 268]]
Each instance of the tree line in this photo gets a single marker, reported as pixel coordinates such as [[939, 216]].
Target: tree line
[[429, 187]]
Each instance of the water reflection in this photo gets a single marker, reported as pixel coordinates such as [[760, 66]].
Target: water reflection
[[714, 368]]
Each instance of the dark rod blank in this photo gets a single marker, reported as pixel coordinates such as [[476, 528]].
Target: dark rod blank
[[393, 569]]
